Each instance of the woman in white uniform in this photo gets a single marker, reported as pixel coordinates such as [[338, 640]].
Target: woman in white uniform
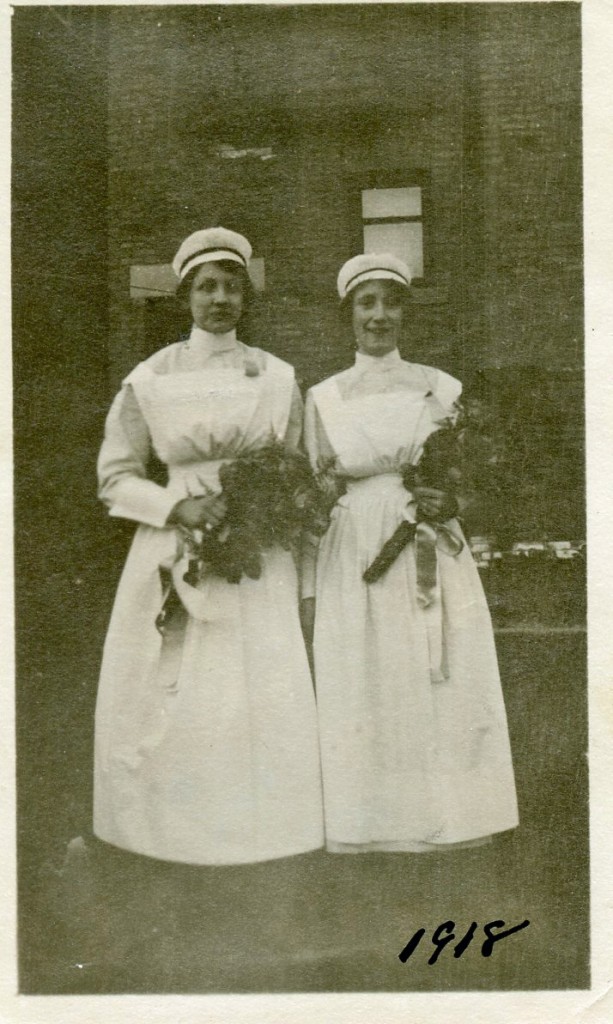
[[206, 746], [413, 733]]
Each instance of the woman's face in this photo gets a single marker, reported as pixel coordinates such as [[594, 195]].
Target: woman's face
[[377, 317], [216, 298]]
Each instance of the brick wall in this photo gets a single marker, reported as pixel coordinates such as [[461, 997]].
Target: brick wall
[[484, 100], [530, 103], [339, 93]]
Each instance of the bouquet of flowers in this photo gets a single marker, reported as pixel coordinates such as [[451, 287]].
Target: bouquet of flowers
[[464, 458], [271, 497]]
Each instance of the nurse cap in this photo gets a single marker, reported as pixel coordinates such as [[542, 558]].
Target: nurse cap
[[371, 266], [210, 245]]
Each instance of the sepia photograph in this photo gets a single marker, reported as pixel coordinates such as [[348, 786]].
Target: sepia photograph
[[300, 505]]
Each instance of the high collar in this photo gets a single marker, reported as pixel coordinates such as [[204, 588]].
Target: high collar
[[210, 344], [386, 362]]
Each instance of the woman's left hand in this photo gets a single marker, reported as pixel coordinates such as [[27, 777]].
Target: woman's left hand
[[435, 504]]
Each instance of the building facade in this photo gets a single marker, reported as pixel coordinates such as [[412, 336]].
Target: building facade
[[275, 121], [315, 130]]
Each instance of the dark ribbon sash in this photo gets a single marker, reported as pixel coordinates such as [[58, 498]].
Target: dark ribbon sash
[[428, 537]]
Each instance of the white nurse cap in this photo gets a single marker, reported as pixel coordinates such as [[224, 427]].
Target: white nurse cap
[[372, 266], [210, 245]]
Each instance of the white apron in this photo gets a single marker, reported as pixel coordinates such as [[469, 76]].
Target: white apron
[[216, 762], [413, 733]]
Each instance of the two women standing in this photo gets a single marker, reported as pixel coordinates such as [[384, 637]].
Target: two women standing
[[208, 739]]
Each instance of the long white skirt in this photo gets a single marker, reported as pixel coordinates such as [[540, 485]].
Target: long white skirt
[[408, 763], [218, 761]]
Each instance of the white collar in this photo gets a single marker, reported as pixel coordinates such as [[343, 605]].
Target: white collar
[[210, 344], [365, 362]]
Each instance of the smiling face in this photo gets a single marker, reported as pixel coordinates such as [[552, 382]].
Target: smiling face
[[377, 317], [216, 297]]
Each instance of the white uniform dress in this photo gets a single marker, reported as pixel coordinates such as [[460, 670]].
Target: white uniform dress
[[206, 754], [413, 732]]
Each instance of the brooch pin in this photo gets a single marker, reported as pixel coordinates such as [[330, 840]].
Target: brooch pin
[[251, 368]]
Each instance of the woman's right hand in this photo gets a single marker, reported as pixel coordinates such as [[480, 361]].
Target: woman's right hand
[[202, 513], [434, 504]]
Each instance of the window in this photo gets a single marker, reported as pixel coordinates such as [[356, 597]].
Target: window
[[392, 222]]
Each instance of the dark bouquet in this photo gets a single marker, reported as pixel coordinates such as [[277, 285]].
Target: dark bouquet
[[272, 496], [464, 458]]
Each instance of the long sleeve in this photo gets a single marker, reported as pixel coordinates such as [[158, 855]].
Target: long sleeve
[[447, 390], [293, 433], [320, 453], [122, 466], [319, 449]]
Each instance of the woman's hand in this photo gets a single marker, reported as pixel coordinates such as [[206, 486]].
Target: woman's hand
[[204, 512], [435, 504]]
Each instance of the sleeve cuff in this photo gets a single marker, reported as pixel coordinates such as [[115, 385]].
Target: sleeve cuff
[[145, 502]]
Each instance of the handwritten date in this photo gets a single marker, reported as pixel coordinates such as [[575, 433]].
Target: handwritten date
[[445, 934]]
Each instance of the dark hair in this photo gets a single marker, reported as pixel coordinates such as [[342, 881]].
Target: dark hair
[[183, 291]]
